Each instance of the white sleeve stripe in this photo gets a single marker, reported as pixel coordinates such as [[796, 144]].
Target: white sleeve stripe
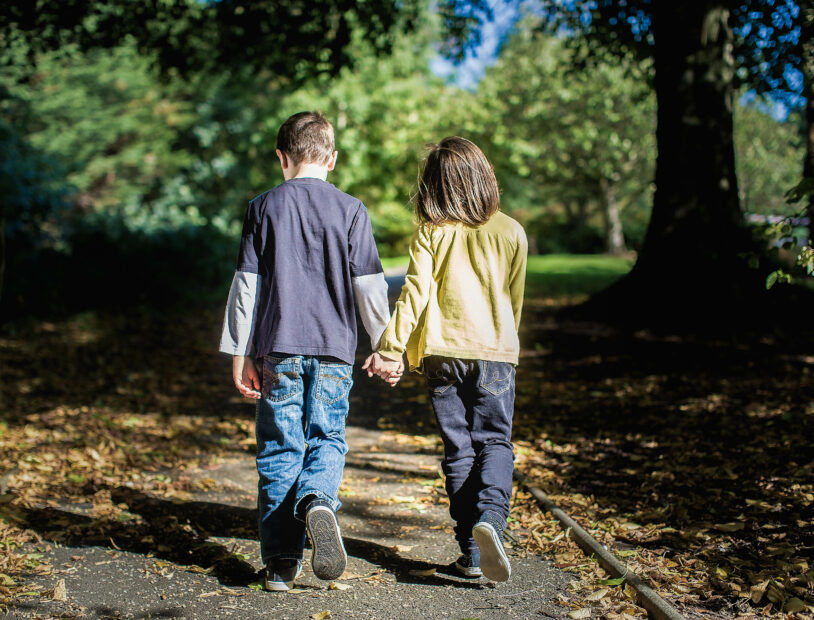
[[370, 292], [238, 323]]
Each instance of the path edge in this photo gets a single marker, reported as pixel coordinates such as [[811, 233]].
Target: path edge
[[656, 606]]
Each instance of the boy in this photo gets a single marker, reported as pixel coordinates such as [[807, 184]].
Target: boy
[[307, 260]]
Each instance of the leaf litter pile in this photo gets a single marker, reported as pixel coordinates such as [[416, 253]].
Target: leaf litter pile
[[692, 461]]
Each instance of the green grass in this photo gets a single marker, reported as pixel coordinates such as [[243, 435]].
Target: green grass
[[391, 262], [561, 275], [573, 275]]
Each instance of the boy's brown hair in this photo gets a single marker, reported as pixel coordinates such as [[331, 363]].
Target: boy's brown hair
[[306, 137], [457, 184]]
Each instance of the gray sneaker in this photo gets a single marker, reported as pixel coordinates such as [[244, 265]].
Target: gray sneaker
[[468, 566], [279, 575], [493, 559], [329, 559]]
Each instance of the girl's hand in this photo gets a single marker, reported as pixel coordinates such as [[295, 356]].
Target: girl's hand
[[389, 370], [394, 377], [245, 376]]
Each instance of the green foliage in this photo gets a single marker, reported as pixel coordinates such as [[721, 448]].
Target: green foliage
[[30, 180], [768, 155], [291, 38], [556, 235], [110, 122], [563, 139], [767, 42], [793, 244], [103, 264], [106, 145]]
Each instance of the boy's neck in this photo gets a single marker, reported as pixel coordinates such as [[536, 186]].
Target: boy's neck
[[306, 171]]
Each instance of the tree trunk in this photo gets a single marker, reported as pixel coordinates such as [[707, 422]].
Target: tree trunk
[[696, 220], [807, 38], [692, 256], [614, 237], [2, 254]]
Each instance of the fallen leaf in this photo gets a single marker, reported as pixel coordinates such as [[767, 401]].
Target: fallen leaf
[[794, 605], [730, 527], [339, 586], [402, 499], [58, 592], [401, 548], [611, 582], [580, 614], [595, 596], [757, 591], [422, 572], [322, 615]]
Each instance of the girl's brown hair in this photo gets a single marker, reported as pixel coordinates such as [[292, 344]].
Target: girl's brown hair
[[457, 184]]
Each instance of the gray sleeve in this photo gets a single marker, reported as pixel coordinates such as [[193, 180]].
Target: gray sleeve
[[238, 324], [370, 292]]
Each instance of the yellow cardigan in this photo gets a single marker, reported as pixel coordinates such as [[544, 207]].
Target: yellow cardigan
[[462, 295]]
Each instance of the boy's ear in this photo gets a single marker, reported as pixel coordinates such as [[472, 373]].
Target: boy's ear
[[283, 158], [332, 161]]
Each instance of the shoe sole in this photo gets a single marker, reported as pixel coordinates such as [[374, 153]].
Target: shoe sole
[[329, 559], [493, 559], [468, 571]]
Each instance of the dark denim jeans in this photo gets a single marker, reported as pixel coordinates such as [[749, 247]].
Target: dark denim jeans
[[474, 403], [301, 445]]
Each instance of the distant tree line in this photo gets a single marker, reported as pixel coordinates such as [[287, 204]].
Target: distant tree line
[[111, 135]]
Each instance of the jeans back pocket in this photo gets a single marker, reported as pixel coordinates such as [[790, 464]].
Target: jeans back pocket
[[496, 377], [333, 382], [281, 378]]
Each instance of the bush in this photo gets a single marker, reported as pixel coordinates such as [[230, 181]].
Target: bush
[[557, 236], [101, 265]]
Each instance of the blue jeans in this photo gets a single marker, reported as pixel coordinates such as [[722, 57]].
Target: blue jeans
[[473, 402], [301, 447]]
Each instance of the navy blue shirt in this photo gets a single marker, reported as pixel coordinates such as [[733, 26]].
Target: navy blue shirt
[[306, 240]]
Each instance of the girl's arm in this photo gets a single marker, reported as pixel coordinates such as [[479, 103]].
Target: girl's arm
[[517, 277], [415, 295]]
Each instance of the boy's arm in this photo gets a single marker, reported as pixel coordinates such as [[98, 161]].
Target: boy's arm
[[517, 276], [237, 336], [370, 292], [238, 322], [367, 276], [413, 300]]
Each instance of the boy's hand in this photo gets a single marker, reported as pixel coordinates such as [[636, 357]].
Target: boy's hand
[[389, 370], [244, 374]]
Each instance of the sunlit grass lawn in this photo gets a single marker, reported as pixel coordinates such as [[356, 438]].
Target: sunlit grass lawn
[[560, 275], [573, 275]]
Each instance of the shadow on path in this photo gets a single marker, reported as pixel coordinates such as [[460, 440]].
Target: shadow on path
[[178, 531]]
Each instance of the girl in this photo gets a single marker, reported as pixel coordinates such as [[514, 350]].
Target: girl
[[457, 319]]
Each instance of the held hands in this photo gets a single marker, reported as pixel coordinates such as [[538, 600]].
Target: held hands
[[389, 370], [247, 379], [245, 376]]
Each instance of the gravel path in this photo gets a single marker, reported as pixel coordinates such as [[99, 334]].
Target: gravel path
[[394, 521], [396, 529]]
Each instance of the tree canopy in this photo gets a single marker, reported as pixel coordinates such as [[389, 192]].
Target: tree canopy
[[118, 143], [583, 140]]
